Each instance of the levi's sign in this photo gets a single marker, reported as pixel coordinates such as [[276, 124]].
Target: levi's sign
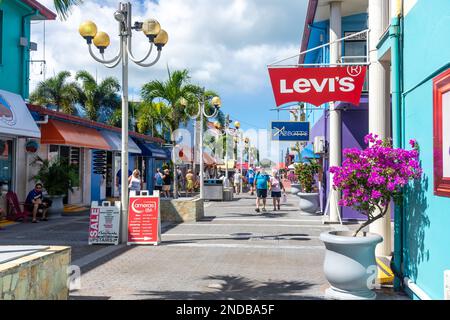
[[290, 131], [317, 85]]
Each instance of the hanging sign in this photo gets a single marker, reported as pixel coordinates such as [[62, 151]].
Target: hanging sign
[[104, 223], [317, 85], [31, 146], [290, 131], [144, 222]]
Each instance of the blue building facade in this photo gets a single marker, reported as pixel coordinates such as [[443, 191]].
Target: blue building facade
[[425, 51]]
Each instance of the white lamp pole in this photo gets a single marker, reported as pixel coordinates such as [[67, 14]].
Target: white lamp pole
[[201, 114], [158, 37]]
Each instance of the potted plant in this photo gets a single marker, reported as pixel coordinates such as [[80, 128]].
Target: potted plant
[[58, 177], [369, 180], [309, 199]]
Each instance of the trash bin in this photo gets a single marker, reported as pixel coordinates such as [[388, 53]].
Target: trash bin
[[213, 189]]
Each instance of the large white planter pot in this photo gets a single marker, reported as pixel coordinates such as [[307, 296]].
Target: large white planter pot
[[309, 203], [295, 188], [57, 205], [350, 265]]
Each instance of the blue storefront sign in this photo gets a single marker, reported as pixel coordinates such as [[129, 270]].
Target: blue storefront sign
[[290, 131]]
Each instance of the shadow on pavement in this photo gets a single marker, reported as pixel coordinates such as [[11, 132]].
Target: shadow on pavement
[[242, 236], [238, 288]]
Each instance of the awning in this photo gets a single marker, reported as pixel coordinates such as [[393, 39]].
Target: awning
[[63, 133], [115, 142], [15, 119], [153, 150]]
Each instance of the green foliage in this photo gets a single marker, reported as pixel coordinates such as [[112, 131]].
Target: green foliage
[[305, 173], [57, 176], [59, 92], [63, 7], [95, 96]]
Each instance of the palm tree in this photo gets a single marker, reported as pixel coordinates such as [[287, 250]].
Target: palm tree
[[153, 118], [58, 92], [98, 95], [63, 7], [173, 91]]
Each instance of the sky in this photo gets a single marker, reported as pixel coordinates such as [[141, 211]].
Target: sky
[[225, 44]]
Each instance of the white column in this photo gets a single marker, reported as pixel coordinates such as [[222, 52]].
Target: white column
[[379, 107], [335, 115]]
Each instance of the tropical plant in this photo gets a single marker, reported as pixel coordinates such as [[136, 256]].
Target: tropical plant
[[305, 173], [63, 7], [369, 179], [57, 176], [96, 96], [115, 118], [58, 92], [173, 92], [153, 118]]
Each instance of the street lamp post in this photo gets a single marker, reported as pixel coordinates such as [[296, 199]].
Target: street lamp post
[[156, 36], [201, 114]]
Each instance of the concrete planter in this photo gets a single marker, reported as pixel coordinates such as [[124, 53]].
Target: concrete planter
[[295, 188], [350, 265], [57, 205], [309, 203]]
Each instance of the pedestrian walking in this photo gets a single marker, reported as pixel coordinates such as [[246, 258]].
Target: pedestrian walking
[[167, 181], [119, 180], [261, 183], [275, 188], [251, 179], [135, 181], [190, 183], [158, 178], [237, 180]]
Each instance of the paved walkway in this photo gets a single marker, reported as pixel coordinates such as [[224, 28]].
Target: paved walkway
[[233, 253]]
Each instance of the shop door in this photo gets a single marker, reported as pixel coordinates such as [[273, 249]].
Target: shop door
[[6, 163]]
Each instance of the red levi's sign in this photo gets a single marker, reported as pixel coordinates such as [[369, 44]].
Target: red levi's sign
[[317, 85]]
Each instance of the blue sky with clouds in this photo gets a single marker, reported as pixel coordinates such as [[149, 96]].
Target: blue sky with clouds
[[226, 45]]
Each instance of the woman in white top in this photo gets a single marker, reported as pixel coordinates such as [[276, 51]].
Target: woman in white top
[[275, 187], [135, 181]]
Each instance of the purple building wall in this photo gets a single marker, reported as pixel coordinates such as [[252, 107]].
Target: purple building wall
[[355, 125]]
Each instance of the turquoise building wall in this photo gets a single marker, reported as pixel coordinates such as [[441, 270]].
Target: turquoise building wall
[[426, 240], [14, 69]]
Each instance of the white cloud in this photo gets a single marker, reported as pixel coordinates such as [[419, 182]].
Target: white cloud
[[226, 44]]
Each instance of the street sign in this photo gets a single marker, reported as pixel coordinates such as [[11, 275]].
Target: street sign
[[144, 222], [290, 131], [104, 223], [318, 85]]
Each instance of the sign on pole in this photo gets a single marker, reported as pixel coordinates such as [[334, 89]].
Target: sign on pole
[[104, 223], [144, 219], [318, 85], [290, 131]]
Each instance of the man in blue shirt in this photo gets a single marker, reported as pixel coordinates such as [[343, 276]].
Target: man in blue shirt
[[250, 176], [35, 201], [119, 179], [261, 184]]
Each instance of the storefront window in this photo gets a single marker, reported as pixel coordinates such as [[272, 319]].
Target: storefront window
[[71, 154], [6, 162]]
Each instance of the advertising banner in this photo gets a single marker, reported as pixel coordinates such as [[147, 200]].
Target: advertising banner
[[290, 131], [104, 223], [317, 85], [144, 222]]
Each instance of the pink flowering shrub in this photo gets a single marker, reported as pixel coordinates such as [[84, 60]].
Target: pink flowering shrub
[[369, 179]]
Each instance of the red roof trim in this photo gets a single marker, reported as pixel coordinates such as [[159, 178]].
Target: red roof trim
[[50, 15], [310, 14], [88, 123]]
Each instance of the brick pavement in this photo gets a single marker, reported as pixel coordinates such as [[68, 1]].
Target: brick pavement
[[233, 253]]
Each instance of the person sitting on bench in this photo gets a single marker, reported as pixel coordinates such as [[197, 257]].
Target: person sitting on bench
[[35, 202]]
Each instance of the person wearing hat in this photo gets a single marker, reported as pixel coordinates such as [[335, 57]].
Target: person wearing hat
[[250, 176], [190, 183]]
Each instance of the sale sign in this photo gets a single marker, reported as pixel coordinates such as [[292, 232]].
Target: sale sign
[[143, 219], [104, 223], [317, 85]]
